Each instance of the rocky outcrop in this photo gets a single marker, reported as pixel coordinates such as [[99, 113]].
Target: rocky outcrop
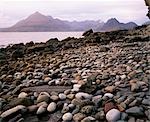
[[147, 2]]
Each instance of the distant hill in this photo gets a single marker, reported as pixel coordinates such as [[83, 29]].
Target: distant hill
[[113, 24], [38, 22]]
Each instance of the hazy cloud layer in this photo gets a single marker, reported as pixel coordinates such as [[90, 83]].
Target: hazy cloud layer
[[124, 10]]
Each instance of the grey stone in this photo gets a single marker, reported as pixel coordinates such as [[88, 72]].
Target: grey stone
[[135, 111]]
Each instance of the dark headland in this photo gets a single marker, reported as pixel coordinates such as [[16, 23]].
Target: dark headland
[[100, 77]]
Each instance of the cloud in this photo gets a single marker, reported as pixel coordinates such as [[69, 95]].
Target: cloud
[[124, 10], [6, 21]]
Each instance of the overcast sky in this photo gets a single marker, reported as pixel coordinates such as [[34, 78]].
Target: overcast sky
[[12, 11]]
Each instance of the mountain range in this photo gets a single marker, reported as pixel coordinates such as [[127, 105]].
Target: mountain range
[[38, 22]]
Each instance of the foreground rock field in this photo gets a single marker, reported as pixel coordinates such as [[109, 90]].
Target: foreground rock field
[[102, 77]]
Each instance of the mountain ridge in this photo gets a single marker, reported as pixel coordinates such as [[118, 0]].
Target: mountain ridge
[[38, 22]]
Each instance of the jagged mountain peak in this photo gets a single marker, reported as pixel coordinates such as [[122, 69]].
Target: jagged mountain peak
[[112, 20], [38, 22]]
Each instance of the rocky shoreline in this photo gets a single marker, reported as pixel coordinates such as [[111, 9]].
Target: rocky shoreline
[[98, 78]]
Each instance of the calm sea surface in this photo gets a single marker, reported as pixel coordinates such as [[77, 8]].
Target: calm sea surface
[[7, 38]]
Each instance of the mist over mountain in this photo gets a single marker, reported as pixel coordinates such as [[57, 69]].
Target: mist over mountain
[[38, 22]]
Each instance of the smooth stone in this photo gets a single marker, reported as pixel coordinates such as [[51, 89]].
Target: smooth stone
[[67, 117], [82, 95], [134, 103], [74, 81], [132, 119], [41, 110], [54, 98], [51, 107], [88, 119], [124, 116], [121, 99], [43, 96], [78, 117], [65, 108], [147, 113], [32, 108], [110, 89], [135, 87], [66, 92], [62, 96], [100, 115], [71, 106], [123, 77], [22, 95], [135, 111], [70, 96], [109, 95], [12, 111], [47, 79], [97, 99], [42, 104], [113, 115], [129, 100], [146, 102], [76, 110]]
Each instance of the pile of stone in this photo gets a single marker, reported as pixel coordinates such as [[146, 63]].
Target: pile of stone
[[95, 82]]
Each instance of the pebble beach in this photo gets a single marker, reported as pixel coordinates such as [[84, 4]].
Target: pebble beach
[[101, 77]]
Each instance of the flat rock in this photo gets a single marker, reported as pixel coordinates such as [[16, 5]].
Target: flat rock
[[47, 88], [135, 111], [12, 111]]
